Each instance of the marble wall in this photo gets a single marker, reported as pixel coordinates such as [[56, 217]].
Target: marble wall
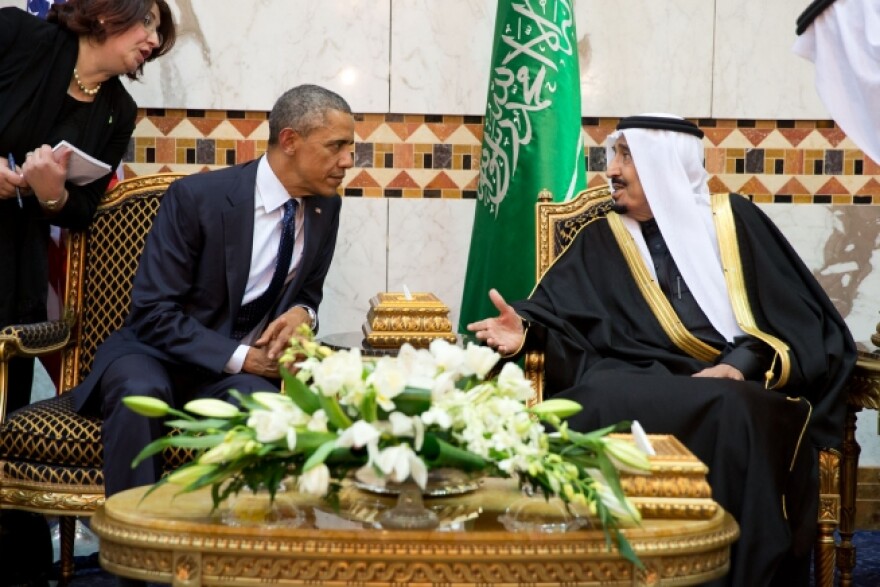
[[728, 58]]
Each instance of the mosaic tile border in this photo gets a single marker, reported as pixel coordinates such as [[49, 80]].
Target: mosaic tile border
[[435, 156]]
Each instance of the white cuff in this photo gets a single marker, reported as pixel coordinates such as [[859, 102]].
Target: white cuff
[[236, 361]]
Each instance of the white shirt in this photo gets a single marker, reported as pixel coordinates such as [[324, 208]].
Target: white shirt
[[269, 199]]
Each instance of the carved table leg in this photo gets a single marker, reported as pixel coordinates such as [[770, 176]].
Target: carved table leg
[[829, 518], [67, 533], [846, 552]]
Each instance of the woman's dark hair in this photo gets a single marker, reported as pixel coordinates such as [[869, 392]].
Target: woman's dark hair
[[105, 18]]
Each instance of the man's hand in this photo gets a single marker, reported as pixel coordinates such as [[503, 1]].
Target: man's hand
[[277, 334], [721, 371], [259, 363], [504, 333]]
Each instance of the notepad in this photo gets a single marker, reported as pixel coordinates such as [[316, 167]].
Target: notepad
[[82, 168]]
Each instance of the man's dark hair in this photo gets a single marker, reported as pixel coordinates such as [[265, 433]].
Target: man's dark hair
[[303, 109]]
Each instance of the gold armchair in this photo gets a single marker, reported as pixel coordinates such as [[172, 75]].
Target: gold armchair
[[557, 224], [50, 456]]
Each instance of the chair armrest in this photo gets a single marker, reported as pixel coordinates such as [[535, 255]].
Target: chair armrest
[[33, 340], [29, 340]]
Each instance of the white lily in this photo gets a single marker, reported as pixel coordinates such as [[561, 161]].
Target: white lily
[[400, 462], [437, 416], [388, 380], [626, 456], [212, 408], [315, 481], [449, 357], [225, 451], [318, 422], [270, 426], [150, 407], [401, 425], [478, 360], [623, 511], [358, 435], [343, 369], [513, 382]]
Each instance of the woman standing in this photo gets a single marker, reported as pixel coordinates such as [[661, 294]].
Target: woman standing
[[59, 80]]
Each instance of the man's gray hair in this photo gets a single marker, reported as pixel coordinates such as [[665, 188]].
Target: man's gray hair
[[303, 109]]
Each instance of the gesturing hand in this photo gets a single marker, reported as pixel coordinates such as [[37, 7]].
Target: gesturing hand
[[505, 332]]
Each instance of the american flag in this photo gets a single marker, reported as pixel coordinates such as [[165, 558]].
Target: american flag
[[41, 7]]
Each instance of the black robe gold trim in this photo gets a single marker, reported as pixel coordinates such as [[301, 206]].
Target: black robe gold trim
[[658, 302], [731, 263]]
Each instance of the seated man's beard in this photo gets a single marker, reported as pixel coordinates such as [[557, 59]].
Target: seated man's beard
[[619, 208]]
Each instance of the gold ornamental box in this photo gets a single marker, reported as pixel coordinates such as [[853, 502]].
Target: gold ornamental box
[[676, 488], [395, 318]]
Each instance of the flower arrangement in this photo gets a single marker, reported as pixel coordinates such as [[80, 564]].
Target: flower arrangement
[[393, 419]]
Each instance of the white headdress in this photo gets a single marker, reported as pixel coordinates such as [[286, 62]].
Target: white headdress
[[842, 39], [668, 156]]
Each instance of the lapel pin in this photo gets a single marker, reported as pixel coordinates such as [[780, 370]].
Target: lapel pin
[[317, 210]]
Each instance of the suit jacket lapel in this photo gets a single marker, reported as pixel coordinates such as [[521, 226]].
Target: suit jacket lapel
[[238, 234]]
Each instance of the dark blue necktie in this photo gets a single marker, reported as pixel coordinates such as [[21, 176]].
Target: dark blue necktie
[[251, 313]]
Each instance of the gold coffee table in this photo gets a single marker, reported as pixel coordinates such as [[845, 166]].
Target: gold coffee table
[[177, 539]]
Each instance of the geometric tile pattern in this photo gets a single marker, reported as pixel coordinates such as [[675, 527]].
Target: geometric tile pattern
[[437, 156]]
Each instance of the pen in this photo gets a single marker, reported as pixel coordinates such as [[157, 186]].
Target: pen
[[12, 169]]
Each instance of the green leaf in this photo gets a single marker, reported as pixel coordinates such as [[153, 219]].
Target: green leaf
[[246, 401], [199, 425], [369, 409], [439, 453], [307, 441], [319, 456], [626, 550], [335, 415], [413, 401], [307, 400]]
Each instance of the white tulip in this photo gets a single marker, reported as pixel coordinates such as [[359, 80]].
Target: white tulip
[[318, 421], [358, 435], [270, 426], [513, 382], [449, 357], [340, 370], [400, 462], [388, 380], [417, 364], [478, 360], [438, 417], [315, 481], [401, 424]]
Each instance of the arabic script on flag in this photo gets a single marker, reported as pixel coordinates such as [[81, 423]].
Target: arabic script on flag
[[518, 89]]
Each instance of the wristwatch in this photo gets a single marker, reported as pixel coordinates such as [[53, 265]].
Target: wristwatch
[[313, 318], [53, 204]]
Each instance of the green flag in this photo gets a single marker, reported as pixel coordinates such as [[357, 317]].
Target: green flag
[[532, 140]]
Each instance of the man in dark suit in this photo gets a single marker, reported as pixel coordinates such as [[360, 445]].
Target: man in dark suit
[[235, 261]]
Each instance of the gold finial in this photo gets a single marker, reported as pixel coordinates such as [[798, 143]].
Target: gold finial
[[545, 195]]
